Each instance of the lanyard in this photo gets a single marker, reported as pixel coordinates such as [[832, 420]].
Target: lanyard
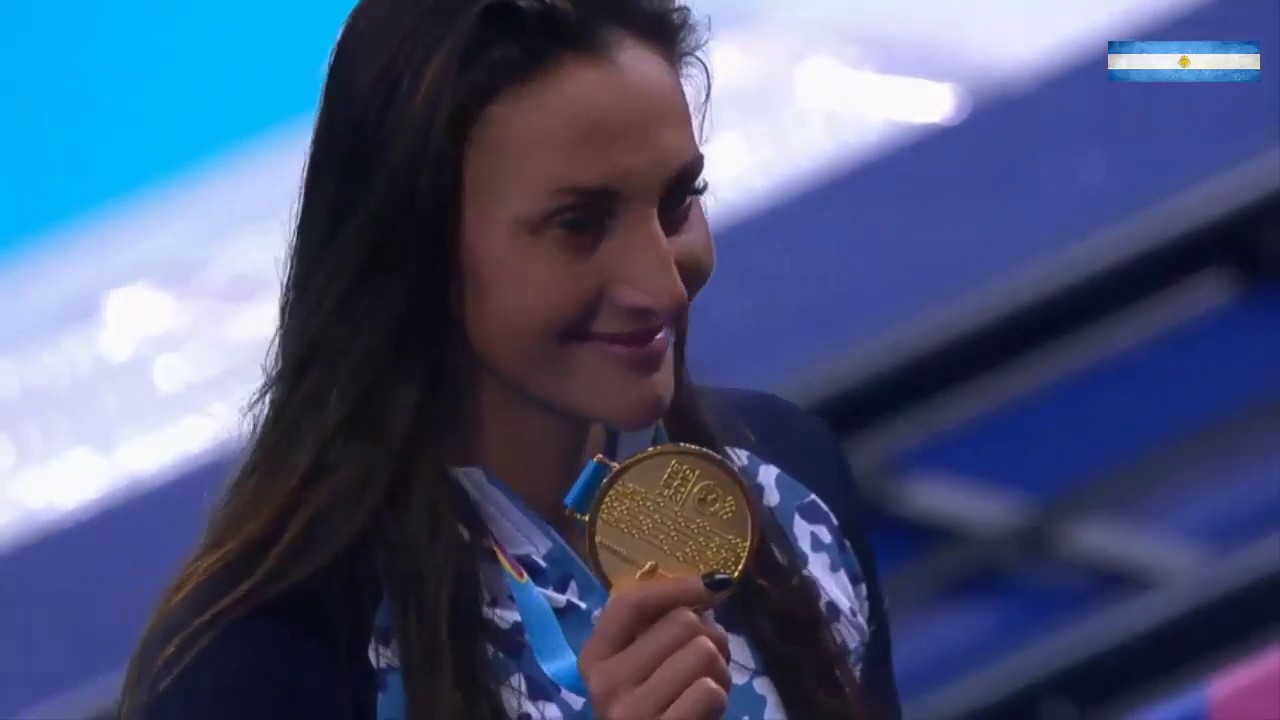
[[542, 629]]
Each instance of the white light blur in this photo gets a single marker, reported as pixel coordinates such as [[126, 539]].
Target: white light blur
[[730, 65], [153, 451], [84, 474], [825, 84], [131, 315], [49, 369], [67, 481], [254, 321], [171, 372], [8, 455], [10, 384], [728, 154], [78, 348]]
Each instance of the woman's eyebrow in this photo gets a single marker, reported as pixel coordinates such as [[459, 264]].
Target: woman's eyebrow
[[589, 193], [686, 174]]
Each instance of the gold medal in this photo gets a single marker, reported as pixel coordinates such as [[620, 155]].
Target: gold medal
[[670, 511]]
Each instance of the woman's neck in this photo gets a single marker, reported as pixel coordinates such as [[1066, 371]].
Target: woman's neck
[[533, 449]]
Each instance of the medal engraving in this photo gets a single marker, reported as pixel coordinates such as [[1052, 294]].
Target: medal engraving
[[671, 511]]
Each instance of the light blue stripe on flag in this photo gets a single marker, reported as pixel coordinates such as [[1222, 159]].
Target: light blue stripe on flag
[[1184, 76], [1182, 47]]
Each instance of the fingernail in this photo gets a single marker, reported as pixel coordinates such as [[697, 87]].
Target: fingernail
[[717, 582]]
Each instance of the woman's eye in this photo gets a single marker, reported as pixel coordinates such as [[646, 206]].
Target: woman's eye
[[585, 223], [675, 214]]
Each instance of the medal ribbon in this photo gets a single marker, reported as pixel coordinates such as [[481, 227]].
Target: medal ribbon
[[584, 490], [542, 629]]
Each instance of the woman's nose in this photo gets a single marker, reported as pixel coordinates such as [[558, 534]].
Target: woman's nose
[[649, 278]]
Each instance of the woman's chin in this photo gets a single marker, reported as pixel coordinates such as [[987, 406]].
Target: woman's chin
[[639, 411]]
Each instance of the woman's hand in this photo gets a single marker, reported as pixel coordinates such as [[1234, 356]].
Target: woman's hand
[[652, 655]]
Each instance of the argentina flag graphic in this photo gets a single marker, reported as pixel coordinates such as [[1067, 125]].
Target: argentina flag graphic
[[1183, 61]]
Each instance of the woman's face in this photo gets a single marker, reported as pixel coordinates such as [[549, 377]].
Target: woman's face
[[583, 239]]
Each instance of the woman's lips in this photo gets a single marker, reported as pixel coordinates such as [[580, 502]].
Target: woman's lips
[[644, 349], [632, 338]]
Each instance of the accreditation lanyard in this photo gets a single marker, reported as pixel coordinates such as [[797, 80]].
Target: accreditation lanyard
[[542, 629], [543, 633]]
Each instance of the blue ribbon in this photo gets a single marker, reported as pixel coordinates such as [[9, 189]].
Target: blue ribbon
[[541, 628], [584, 489]]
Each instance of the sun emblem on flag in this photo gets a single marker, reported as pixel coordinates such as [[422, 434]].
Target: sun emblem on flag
[[1183, 62]]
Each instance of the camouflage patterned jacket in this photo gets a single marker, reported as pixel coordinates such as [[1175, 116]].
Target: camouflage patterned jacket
[[576, 597]]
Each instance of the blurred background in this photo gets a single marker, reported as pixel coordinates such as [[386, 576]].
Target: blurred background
[[1041, 310]]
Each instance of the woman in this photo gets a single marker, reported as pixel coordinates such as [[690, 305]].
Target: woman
[[499, 236]]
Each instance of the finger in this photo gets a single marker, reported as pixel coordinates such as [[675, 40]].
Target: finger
[[635, 608], [704, 700], [698, 659], [717, 633], [660, 643]]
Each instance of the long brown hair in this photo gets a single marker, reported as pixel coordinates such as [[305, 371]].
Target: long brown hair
[[346, 453]]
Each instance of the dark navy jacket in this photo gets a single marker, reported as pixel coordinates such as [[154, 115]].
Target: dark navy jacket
[[305, 654]]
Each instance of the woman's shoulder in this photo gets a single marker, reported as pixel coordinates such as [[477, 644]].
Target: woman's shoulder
[[767, 424], [760, 409], [255, 667], [791, 439], [301, 655], [805, 479], [819, 544]]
